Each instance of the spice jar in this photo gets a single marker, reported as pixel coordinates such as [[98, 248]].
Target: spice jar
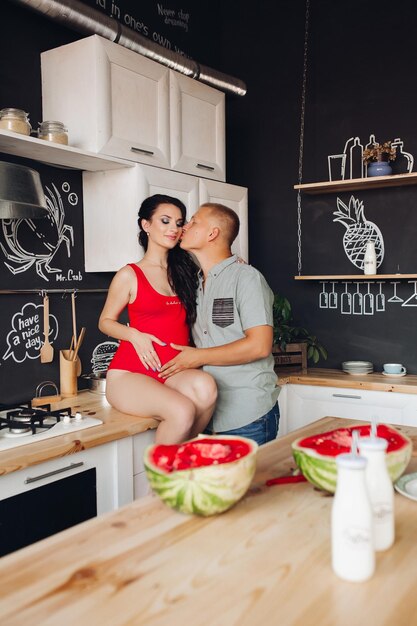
[[53, 131], [15, 120]]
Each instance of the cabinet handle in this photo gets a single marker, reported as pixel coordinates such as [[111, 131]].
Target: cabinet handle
[[58, 471], [205, 167], [343, 395], [142, 151]]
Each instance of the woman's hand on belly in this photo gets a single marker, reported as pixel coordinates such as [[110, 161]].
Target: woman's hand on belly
[[143, 344], [188, 358]]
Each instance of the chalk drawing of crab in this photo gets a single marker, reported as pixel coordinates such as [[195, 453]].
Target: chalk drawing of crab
[[45, 236]]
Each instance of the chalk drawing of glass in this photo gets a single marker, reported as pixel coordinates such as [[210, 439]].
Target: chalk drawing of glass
[[337, 164], [346, 301], [412, 300], [323, 297], [380, 299], [395, 298], [357, 301], [368, 301], [332, 298]]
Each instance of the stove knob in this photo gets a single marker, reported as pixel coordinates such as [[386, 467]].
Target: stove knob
[[78, 417], [66, 419]]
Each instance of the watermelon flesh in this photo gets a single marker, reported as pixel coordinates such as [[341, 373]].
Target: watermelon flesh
[[203, 476], [316, 455]]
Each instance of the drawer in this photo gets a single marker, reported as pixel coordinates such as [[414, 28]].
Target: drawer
[[306, 404]]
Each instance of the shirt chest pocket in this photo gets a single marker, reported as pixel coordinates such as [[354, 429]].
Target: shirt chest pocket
[[222, 313]]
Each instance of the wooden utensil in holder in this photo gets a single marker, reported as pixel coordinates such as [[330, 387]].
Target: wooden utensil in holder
[[47, 350]]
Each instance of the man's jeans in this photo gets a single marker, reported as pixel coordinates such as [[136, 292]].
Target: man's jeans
[[262, 430]]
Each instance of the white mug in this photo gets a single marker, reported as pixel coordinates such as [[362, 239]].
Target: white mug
[[394, 368]]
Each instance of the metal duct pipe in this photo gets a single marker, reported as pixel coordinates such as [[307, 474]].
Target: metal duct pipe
[[87, 20]]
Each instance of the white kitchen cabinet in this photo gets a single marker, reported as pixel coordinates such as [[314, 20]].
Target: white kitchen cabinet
[[140, 481], [111, 204], [197, 122], [117, 102], [235, 198], [308, 403], [111, 461], [112, 100]]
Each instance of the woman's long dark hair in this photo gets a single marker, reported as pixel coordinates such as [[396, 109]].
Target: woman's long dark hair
[[182, 271]]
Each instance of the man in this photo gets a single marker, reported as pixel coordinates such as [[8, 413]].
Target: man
[[233, 331]]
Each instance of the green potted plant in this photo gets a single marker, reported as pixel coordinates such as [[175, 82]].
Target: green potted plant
[[286, 333]]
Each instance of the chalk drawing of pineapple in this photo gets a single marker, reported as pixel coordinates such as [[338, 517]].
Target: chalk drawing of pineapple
[[359, 231]]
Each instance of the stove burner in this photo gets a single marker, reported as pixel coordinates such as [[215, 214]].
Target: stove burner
[[23, 419], [28, 414], [21, 424], [25, 413]]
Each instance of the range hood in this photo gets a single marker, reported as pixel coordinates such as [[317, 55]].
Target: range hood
[[21, 193]]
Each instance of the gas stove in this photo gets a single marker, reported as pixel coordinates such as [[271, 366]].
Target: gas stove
[[21, 424]]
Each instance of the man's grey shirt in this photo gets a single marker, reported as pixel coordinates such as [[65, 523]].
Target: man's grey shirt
[[236, 297]]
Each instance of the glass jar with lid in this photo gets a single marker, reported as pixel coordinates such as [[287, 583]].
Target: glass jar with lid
[[15, 120], [53, 131]]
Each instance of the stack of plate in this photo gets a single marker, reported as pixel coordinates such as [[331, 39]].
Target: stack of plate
[[357, 367]]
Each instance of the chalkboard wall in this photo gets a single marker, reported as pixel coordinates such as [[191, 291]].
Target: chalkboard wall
[[360, 81]]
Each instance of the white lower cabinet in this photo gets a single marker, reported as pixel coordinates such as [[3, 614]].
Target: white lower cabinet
[[304, 404], [140, 443], [112, 463]]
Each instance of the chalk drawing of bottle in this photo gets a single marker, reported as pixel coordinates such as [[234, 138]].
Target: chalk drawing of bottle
[[356, 159], [404, 161], [369, 145]]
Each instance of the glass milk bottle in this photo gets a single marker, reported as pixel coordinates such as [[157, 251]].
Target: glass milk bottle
[[353, 555], [380, 489], [369, 266]]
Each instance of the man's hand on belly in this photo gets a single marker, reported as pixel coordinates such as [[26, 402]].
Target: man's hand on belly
[[188, 358]]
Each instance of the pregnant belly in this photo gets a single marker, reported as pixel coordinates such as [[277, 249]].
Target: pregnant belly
[[127, 358]]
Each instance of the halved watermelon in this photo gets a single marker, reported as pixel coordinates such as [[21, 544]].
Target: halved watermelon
[[205, 476], [315, 456]]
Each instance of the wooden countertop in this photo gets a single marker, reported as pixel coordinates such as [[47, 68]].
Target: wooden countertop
[[266, 561], [118, 425], [336, 378], [115, 425]]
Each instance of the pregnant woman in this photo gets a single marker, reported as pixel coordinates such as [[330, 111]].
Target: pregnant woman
[[159, 294]]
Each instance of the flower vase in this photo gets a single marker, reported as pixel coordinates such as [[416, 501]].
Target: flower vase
[[379, 168]]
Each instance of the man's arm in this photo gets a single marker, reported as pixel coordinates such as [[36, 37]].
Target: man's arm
[[256, 344]]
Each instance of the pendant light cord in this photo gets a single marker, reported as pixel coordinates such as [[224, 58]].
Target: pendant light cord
[[302, 122]]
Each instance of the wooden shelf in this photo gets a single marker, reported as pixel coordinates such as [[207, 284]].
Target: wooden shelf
[[353, 184], [57, 154], [357, 277]]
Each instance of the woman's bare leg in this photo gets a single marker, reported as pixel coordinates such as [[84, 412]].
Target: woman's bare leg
[[201, 389], [138, 394]]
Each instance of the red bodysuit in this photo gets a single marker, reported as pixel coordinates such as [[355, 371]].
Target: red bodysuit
[[157, 314]]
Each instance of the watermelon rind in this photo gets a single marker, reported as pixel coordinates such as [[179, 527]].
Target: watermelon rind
[[206, 490], [321, 470]]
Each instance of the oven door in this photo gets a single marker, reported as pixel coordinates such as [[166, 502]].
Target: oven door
[[44, 499]]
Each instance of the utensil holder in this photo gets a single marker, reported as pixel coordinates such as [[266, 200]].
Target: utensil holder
[[68, 372]]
